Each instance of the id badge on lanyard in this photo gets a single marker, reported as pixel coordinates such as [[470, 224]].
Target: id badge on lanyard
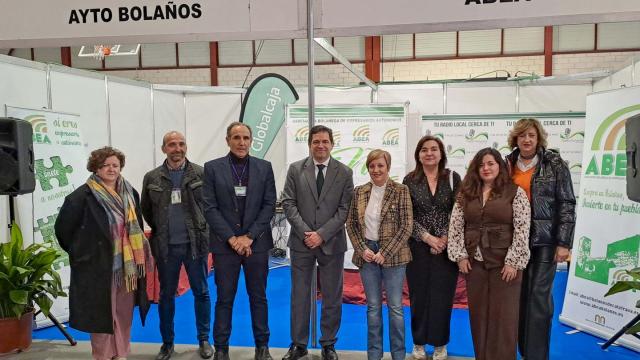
[[176, 196], [240, 191]]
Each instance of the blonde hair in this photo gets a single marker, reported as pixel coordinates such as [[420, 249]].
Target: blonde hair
[[377, 154], [523, 125]]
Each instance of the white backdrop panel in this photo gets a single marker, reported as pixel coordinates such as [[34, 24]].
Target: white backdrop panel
[[83, 93], [24, 86], [554, 98], [132, 128], [207, 120], [168, 115], [480, 98], [423, 99]]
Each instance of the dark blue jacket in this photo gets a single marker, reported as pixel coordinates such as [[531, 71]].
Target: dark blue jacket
[[221, 206]]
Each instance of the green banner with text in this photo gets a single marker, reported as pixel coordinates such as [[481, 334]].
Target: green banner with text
[[263, 109]]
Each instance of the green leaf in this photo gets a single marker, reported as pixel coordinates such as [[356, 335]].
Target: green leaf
[[44, 303], [19, 296], [634, 329], [621, 286]]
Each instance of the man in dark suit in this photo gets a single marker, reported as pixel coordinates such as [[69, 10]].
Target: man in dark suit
[[316, 200], [239, 202]]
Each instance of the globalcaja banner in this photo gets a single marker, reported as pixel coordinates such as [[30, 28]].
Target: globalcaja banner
[[263, 109], [607, 234], [60, 167], [464, 135], [357, 129]]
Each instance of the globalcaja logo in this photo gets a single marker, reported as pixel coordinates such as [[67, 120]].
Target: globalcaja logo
[[391, 137], [361, 134], [568, 135], [40, 129], [609, 145], [454, 153], [502, 149], [56, 171], [302, 135], [472, 136], [620, 256]]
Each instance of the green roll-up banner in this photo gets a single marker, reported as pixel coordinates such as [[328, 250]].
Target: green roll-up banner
[[263, 109]]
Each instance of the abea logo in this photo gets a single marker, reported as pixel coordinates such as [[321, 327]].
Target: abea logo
[[609, 145], [361, 134], [302, 135], [472, 136], [40, 129], [337, 136], [568, 135], [438, 135], [391, 137], [455, 152], [575, 168], [502, 149]]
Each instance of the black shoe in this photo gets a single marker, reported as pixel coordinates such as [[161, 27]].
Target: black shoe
[[205, 350], [165, 352], [295, 352], [262, 353], [329, 353], [221, 355]]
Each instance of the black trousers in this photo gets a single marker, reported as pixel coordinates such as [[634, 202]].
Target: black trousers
[[226, 272], [536, 304], [432, 281]]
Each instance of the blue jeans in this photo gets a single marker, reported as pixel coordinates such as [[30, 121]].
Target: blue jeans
[[169, 275], [373, 276]]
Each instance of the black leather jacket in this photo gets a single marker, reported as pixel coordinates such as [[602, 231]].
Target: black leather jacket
[[553, 215], [155, 202]]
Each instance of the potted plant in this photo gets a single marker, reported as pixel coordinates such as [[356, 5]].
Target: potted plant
[[624, 285], [27, 278]]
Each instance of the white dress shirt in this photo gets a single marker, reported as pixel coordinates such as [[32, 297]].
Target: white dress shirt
[[372, 213], [324, 171]]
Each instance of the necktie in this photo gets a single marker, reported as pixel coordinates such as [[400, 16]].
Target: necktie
[[320, 178]]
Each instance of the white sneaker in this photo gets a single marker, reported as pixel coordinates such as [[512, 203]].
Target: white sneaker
[[418, 352], [440, 353]]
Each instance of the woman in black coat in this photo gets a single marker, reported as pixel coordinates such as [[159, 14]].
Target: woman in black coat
[[100, 227], [545, 177]]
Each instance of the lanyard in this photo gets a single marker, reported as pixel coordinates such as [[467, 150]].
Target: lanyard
[[235, 172]]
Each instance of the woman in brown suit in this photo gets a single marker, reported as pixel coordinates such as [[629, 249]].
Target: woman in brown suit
[[489, 239], [379, 224]]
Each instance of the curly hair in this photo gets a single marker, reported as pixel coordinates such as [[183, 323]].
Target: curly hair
[[523, 125], [471, 187], [99, 156]]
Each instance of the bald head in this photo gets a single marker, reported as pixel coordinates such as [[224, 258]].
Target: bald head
[[175, 147]]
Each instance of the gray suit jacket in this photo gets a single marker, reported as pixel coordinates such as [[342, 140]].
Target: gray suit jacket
[[326, 212]]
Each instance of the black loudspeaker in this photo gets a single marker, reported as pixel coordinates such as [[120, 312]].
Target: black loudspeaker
[[632, 132], [16, 157]]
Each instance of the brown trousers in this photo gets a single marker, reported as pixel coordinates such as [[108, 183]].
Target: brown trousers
[[493, 311]]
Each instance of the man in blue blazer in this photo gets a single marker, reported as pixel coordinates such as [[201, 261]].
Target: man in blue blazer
[[239, 196]]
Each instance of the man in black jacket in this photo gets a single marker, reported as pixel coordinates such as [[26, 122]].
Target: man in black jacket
[[172, 206]]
